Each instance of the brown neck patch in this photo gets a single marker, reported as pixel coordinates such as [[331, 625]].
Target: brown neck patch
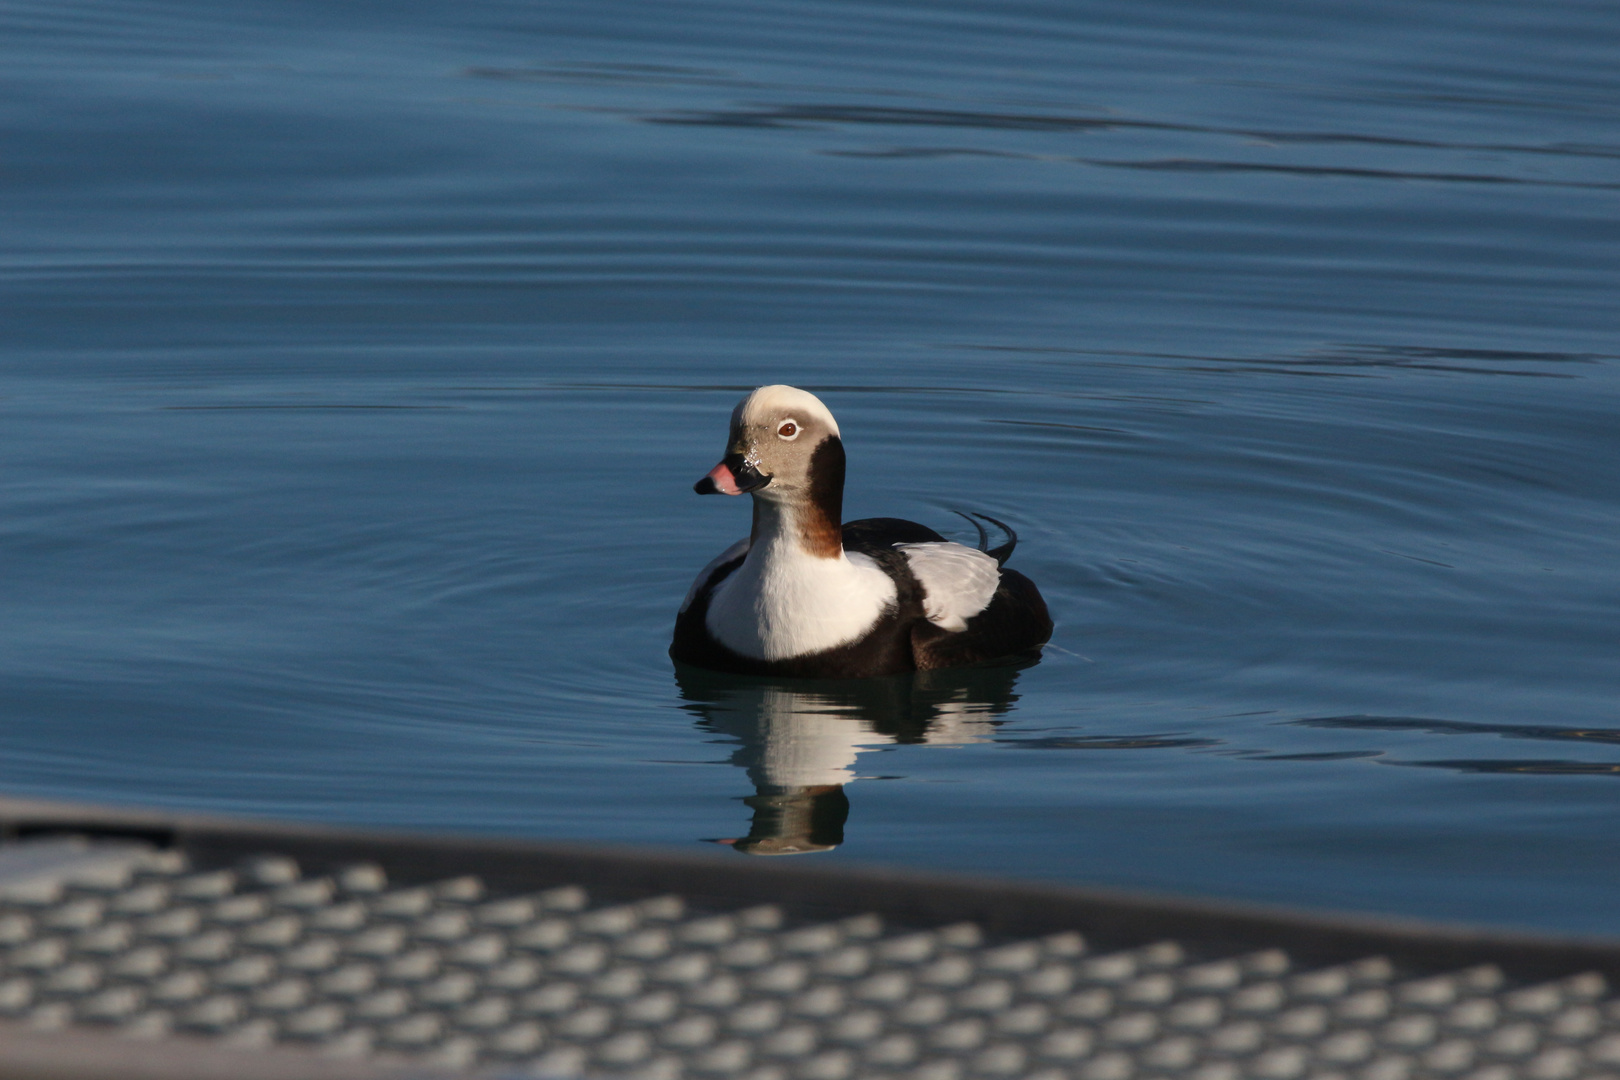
[[821, 521]]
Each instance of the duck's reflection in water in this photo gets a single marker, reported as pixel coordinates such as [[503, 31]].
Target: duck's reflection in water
[[801, 737]]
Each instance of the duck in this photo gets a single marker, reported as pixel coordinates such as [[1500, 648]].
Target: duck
[[808, 595]]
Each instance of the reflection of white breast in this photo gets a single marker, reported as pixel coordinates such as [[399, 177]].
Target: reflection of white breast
[[804, 747], [959, 722]]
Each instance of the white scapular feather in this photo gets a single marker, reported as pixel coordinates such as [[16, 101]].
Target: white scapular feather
[[958, 581]]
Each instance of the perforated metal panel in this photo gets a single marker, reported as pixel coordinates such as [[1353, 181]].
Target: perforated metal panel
[[130, 938]]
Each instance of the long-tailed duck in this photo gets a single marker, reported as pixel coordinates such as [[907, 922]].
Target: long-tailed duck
[[805, 595]]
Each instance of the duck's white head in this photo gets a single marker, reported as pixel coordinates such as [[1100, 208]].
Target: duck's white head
[[784, 448]]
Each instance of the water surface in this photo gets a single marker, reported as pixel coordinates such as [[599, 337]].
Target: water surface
[[356, 363]]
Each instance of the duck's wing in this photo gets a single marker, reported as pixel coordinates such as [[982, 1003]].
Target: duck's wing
[[958, 581], [976, 612], [1014, 624]]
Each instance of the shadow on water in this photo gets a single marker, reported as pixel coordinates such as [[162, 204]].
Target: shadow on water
[[800, 738]]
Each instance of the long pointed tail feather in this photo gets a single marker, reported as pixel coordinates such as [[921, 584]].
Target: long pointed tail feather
[[1002, 553]]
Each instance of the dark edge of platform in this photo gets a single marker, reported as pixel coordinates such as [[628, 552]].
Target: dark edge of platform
[[1005, 909]]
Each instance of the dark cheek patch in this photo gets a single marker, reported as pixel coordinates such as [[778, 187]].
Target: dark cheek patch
[[821, 529]]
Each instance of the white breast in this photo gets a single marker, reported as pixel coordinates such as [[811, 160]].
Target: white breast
[[958, 581], [783, 602]]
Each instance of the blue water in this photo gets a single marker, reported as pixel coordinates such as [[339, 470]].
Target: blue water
[[356, 362]]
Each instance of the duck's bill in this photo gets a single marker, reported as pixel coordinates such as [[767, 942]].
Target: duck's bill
[[733, 476]]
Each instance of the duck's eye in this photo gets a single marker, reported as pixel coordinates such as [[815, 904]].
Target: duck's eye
[[788, 429]]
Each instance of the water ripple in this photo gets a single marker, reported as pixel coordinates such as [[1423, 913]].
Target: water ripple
[[1460, 727], [1520, 768], [1109, 742], [787, 116]]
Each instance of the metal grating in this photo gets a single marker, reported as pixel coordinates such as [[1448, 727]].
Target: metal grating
[[127, 937]]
